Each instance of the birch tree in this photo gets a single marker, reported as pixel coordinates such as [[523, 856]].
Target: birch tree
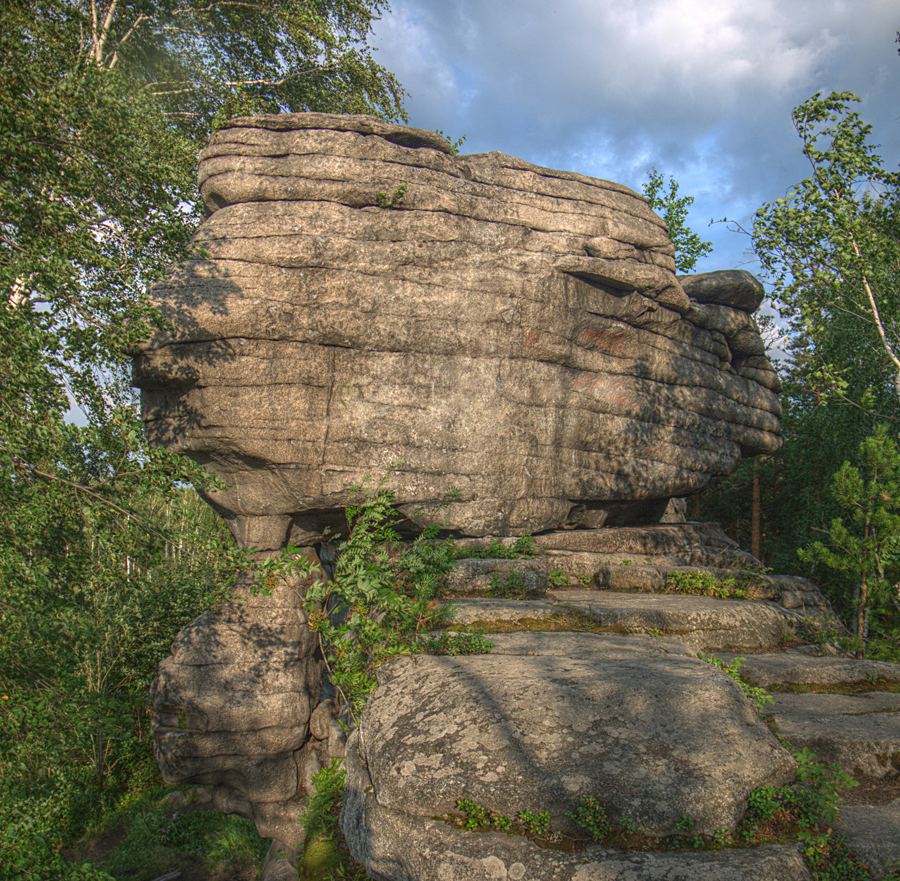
[[831, 246]]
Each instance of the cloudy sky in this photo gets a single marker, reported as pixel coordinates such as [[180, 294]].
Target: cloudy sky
[[702, 90]]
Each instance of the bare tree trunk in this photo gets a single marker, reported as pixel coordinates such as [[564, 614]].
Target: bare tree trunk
[[861, 612], [755, 532]]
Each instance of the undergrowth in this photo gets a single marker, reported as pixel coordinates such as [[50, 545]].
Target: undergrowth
[[803, 810], [758, 695], [703, 584], [382, 600], [325, 855], [522, 547]]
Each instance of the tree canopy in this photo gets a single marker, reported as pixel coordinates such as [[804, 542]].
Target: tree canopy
[[689, 247], [105, 551], [831, 249]]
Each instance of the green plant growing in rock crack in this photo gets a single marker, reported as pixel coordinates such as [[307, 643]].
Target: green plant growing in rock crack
[[454, 145], [560, 579], [380, 603], [478, 818], [702, 584], [591, 817], [758, 695], [395, 202], [454, 643], [513, 586], [522, 548], [535, 822]]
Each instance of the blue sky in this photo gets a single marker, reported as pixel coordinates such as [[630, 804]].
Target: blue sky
[[702, 90]]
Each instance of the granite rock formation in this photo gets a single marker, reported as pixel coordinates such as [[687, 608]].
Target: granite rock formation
[[365, 296], [361, 296]]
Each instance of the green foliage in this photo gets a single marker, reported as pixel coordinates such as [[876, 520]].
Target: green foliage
[[758, 695], [559, 579], [320, 816], [811, 801], [454, 145], [535, 822], [831, 247], [689, 247], [325, 856], [513, 586], [702, 584], [478, 818], [447, 643], [105, 550], [155, 843], [396, 200], [522, 547], [867, 547], [825, 785], [591, 817], [380, 602]]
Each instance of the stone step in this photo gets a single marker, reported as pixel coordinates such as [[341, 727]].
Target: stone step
[[795, 668], [668, 540], [468, 611], [704, 622], [861, 733], [474, 574], [875, 834], [573, 645]]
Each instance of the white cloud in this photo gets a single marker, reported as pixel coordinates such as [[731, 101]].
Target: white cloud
[[700, 90]]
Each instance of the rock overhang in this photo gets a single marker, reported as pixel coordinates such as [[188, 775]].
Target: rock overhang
[[364, 296]]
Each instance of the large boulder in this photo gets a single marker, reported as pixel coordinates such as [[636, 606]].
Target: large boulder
[[360, 295], [232, 705], [653, 736]]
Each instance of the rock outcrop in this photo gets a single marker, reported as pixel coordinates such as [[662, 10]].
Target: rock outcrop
[[364, 296], [606, 697], [359, 297]]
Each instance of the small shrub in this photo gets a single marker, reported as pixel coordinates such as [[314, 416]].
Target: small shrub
[[396, 200], [591, 817], [513, 587], [479, 818], [758, 695], [380, 601], [701, 584], [535, 822]]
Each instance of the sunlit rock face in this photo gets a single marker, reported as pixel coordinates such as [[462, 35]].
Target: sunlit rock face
[[364, 296]]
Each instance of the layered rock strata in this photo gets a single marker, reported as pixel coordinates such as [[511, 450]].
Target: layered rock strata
[[232, 705], [364, 296]]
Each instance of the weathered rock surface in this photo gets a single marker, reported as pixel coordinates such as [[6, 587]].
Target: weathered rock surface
[[698, 620], [231, 705], [791, 668], [860, 733], [573, 645], [475, 575], [629, 727], [538, 733], [875, 834], [399, 847], [510, 330]]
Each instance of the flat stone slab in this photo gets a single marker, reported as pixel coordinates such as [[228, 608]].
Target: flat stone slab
[[874, 831], [572, 645], [465, 611], [476, 574], [398, 847], [519, 733], [794, 668], [701, 621], [861, 733]]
